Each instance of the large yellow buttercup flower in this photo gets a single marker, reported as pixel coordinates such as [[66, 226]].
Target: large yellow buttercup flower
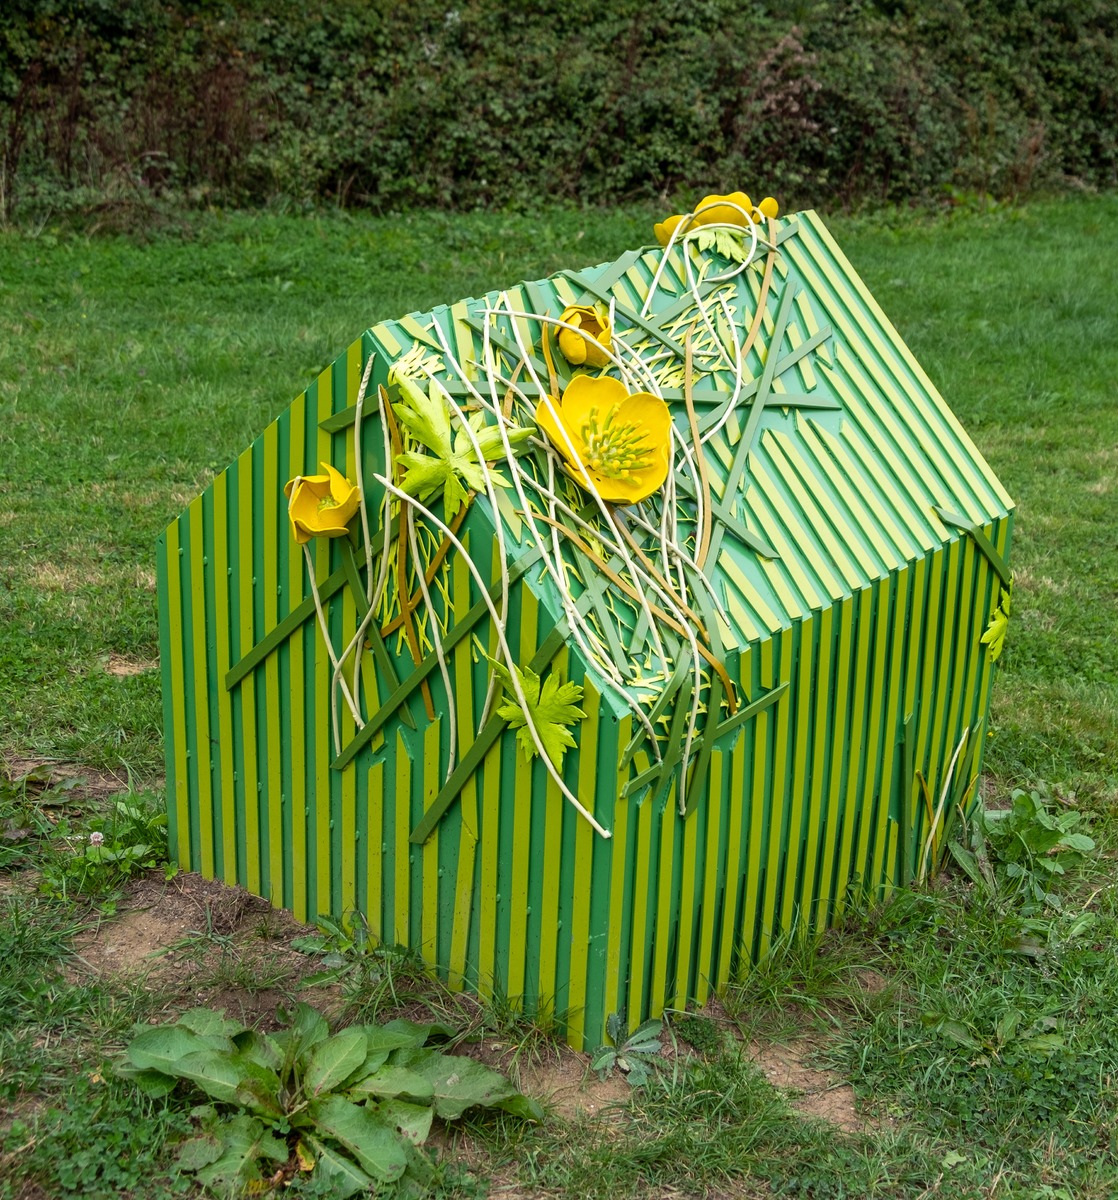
[[588, 346], [321, 505], [621, 439], [734, 209]]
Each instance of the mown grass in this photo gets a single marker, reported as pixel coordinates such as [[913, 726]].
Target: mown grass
[[133, 368]]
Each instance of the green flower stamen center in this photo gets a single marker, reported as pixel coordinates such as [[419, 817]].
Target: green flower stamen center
[[614, 449], [327, 502]]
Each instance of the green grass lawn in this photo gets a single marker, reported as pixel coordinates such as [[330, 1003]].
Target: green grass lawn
[[132, 369]]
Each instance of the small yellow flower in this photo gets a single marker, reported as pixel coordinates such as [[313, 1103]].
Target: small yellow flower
[[320, 505], [733, 209], [622, 439], [588, 347]]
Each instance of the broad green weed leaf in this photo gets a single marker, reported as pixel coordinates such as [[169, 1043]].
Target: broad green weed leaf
[[333, 1061], [150, 1082], [369, 1139], [232, 1079], [245, 1141], [199, 1152], [457, 1083], [259, 1048], [391, 1081], [162, 1047], [206, 1022], [411, 1121], [345, 1177]]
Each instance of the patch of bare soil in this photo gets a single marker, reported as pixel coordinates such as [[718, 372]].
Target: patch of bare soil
[[558, 1077], [814, 1092], [120, 665], [80, 782], [202, 943]]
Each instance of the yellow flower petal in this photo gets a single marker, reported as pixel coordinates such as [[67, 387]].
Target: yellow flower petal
[[665, 229], [573, 347], [769, 207], [590, 344], [615, 443], [321, 505], [734, 209]]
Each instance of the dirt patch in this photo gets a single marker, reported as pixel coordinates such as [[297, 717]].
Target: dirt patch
[[79, 782], [815, 1092], [203, 943], [118, 664]]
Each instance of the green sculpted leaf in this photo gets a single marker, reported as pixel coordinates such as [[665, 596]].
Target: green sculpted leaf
[[361, 1131], [446, 461], [245, 1141], [345, 1177], [459, 1083], [552, 705], [334, 1060]]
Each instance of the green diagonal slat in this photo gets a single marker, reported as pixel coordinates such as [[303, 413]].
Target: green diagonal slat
[[427, 665], [980, 540], [630, 315]]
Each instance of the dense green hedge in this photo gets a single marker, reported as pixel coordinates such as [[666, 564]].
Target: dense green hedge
[[395, 105]]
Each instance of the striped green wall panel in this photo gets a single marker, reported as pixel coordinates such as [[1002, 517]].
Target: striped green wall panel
[[869, 616]]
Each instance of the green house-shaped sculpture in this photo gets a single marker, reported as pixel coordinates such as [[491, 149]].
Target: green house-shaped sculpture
[[783, 651]]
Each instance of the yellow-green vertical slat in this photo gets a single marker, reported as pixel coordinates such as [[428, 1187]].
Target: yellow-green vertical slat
[[619, 857], [374, 853], [759, 803], [428, 897], [856, 761], [837, 744], [875, 722], [319, 670], [713, 875], [467, 800], [727, 945], [297, 465], [401, 847], [203, 763], [267, 520], [223, 699], [584, 859], [345, 392], [821, 691], [245, 586], [798, 799], [180, 807], [778, 788]]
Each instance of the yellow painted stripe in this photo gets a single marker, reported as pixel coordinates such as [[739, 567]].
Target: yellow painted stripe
[[941, 751], [879, 358], [838, 741], [583, 864], [901, 351], [715, 800], [374, 853], [387, 339], [550, 932], [876, 721], [246, 570], [686, 940], [736, 575], [857, 760], [349, 628], [617, 850], [892, 724], [843, 477], [521, 827], [203, 761], [779, 810], [659, 986], [802, 533], [223, 696], [935, 572], [758, 800], [488, 977], [296, 465], [801, 753], [826, 520], [401, 914], [641, 904], [467, 800], [322, 672], [777, 571], [181, 782], [268, 519], [730, 927], [429, 894], [821, 686]]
